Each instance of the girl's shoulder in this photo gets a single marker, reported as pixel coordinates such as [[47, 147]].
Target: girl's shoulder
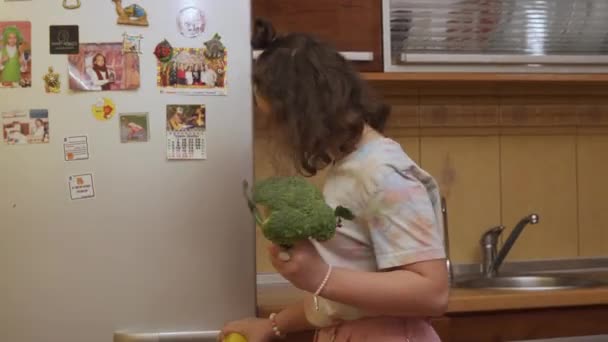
[[367, 166], [379, 164], [374, 157]]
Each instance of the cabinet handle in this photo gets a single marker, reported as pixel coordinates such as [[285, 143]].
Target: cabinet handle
[[356, 56], [431, 58], [190, 336]]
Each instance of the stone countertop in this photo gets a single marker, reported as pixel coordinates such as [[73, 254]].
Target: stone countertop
[[274, 297]]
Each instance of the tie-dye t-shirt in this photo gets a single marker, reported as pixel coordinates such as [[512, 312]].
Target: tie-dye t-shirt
[[398, 217]]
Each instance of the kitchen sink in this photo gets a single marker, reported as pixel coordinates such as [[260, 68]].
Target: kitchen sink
[[527, 283]]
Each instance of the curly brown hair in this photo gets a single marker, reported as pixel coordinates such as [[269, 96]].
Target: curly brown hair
[[316, 97]]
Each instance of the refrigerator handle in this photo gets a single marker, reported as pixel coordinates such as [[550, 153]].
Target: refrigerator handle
[[178, 336]]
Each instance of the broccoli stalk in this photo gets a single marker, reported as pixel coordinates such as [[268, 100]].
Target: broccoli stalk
[[296, 210]]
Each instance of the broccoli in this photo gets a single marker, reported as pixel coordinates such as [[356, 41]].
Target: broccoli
[[293, 210]]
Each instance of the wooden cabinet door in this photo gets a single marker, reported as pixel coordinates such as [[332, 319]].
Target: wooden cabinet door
[[442, 327], [353, 26]]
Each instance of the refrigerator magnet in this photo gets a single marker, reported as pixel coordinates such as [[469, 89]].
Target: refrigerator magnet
[[195, 70], [186, 132], [64, 39], [131, 43], [214, 49], [22, 129], [104, 109], [16, 66], [191, 22], [163, 51], [52, 84], [71, 4], [76, 148], [133, 127], [81, 186], [133, 14], [103, 67]]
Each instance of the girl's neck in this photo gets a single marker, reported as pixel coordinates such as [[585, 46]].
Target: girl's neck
[[369, 134]]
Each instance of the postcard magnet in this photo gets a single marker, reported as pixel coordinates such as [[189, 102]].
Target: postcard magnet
[[133, 127], [15, 54], [102, 67], [21, 128]]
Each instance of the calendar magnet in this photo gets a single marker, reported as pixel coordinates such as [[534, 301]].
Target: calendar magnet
[[186, 132]]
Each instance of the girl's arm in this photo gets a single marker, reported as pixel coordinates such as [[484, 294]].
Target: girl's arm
[[293, 319], [3, 59], [419, 290], [290, 320], [405, 232], [23, 63]]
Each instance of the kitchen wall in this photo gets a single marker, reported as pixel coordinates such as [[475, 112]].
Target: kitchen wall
[[501, 151]]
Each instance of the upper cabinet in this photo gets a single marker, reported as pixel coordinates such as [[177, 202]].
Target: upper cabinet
[[499, 36], [353, 26]]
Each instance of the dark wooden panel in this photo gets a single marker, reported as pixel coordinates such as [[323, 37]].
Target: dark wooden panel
[[351, 25], [528, 324], [505, 326]]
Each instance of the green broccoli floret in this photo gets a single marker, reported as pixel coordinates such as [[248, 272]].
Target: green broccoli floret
[[294, 210]]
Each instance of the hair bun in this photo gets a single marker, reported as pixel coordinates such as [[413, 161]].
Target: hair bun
[[263, 34]]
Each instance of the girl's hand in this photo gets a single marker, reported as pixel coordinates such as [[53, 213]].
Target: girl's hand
[[253, 329], [305, 268]]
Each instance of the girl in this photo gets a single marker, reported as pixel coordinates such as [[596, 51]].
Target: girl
[[189, 75], [196, 75], [384, 273], [12, 61], [38, 130], [208, 76], [181, 75], [101, 76]]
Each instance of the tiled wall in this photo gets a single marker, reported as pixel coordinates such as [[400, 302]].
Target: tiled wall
[[499, 153]]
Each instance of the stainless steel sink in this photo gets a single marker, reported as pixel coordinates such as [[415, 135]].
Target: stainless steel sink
[[527, 283]]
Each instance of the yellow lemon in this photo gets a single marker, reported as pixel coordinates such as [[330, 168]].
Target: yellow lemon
[[234, 337]]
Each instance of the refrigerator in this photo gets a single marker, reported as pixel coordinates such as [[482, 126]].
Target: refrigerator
[[108, 232]]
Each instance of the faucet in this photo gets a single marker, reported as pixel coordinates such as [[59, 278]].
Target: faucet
[[492, 260], [446, 238], [489, 246]]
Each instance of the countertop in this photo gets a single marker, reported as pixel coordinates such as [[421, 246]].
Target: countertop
[[274, 297]]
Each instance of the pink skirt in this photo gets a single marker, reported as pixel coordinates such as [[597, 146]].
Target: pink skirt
[[379, 330]]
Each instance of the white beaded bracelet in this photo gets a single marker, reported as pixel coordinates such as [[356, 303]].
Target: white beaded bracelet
[[321, 287], [275, 328]]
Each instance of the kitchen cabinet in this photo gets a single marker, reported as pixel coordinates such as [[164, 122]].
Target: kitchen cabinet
[[519, 325], [513, 325], [353, 26]]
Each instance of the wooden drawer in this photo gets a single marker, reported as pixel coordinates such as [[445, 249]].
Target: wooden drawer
[[353, 26]]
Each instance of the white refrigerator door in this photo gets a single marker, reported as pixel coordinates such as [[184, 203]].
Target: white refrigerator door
[[165, 246]]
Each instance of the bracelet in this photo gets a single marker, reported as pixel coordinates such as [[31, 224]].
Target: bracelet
[[321, 287], [275, 328]]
